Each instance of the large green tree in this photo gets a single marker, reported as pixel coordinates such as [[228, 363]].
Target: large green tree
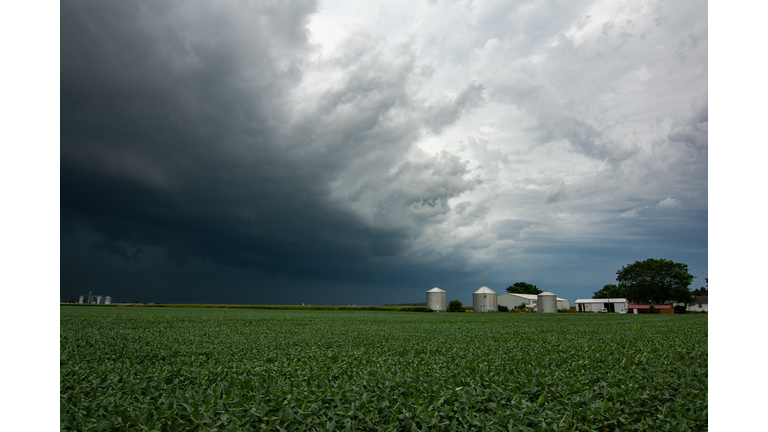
[[655, 281], [609, 291], [524, 288]]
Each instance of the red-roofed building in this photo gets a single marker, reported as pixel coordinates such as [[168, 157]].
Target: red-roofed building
[[640, 308]]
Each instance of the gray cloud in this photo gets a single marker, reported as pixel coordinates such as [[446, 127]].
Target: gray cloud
[[318, 144]]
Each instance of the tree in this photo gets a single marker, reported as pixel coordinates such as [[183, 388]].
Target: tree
[[703, 290], [455, 306], [656, 281], [609, 291], [524, 288]]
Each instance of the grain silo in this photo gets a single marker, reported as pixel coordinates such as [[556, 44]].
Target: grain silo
[[484, 300], [80, 299], [546, 302], [436, 300], [107, 300]]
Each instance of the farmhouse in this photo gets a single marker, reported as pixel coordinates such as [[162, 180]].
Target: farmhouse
[[602, 305], [701, 304], [638, 308], [512, 300]]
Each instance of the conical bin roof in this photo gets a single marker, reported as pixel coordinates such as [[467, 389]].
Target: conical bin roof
[[484, 290]]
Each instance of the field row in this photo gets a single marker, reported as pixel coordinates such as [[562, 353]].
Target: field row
[[221, 369]]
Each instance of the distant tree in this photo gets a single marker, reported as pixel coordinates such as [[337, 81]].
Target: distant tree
[[656, 281], [503, 308], [522, 306], [609, 291], [703, 290], [524, 288], [455, 306], [72, 300], [652, 310]]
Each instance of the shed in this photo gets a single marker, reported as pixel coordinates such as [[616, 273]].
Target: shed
[[597, 305], [641, 308]]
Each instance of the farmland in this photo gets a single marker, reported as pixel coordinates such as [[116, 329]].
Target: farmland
[[174, 369]]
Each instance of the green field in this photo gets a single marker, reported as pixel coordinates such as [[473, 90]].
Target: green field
[[178, 369]]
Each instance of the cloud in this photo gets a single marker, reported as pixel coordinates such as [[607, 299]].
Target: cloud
[[225, 142], [633, 213], [668, 203], [555, 194], [380, 146]]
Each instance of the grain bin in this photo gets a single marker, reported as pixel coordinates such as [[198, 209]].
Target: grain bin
[[107, 300], [80, 300], [547, 302], [436, 300], [485, 300]]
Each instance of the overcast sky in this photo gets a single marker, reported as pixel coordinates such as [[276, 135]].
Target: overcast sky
[[363, 153]]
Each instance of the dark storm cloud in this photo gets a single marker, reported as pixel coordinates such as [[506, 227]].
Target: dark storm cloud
[[182, 128]]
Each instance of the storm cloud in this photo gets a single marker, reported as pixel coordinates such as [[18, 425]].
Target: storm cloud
[[378, 148]]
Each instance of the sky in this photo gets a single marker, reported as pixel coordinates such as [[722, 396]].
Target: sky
[[366, 152]]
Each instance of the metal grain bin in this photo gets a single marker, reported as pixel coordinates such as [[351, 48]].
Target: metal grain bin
[[437, 300], [107, 300], [485, 300], [80, 300], [546, 302]]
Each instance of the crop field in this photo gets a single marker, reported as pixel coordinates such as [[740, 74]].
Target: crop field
[[206, 369]]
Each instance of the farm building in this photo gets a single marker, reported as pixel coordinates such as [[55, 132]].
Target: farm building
[[512, 300], [701, 304], [638, 308], [597, 305], [485, 300], [436, 300]]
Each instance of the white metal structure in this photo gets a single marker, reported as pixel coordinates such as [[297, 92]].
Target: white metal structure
[[80, 300], [596, 305], [485, 300], [546, 302], [513, 300], [107, 300], [437, 300]]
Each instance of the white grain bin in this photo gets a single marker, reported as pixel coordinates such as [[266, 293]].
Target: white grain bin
[[80, 300], [107, 300], [436, 300], [485, 300], [99, 299], [546, 302]]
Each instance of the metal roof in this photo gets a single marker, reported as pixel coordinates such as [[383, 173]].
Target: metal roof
[[608, 300], [436, 289], [547, 293], [531, 296], [484, 290]]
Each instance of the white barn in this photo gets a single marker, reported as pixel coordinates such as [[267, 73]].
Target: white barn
[[597, 305], [512, 300]]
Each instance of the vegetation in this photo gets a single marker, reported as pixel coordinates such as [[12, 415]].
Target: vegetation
[[609, 291], [524, 288], [455, 306], [656, 281], [204, 369], [703, 290]]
